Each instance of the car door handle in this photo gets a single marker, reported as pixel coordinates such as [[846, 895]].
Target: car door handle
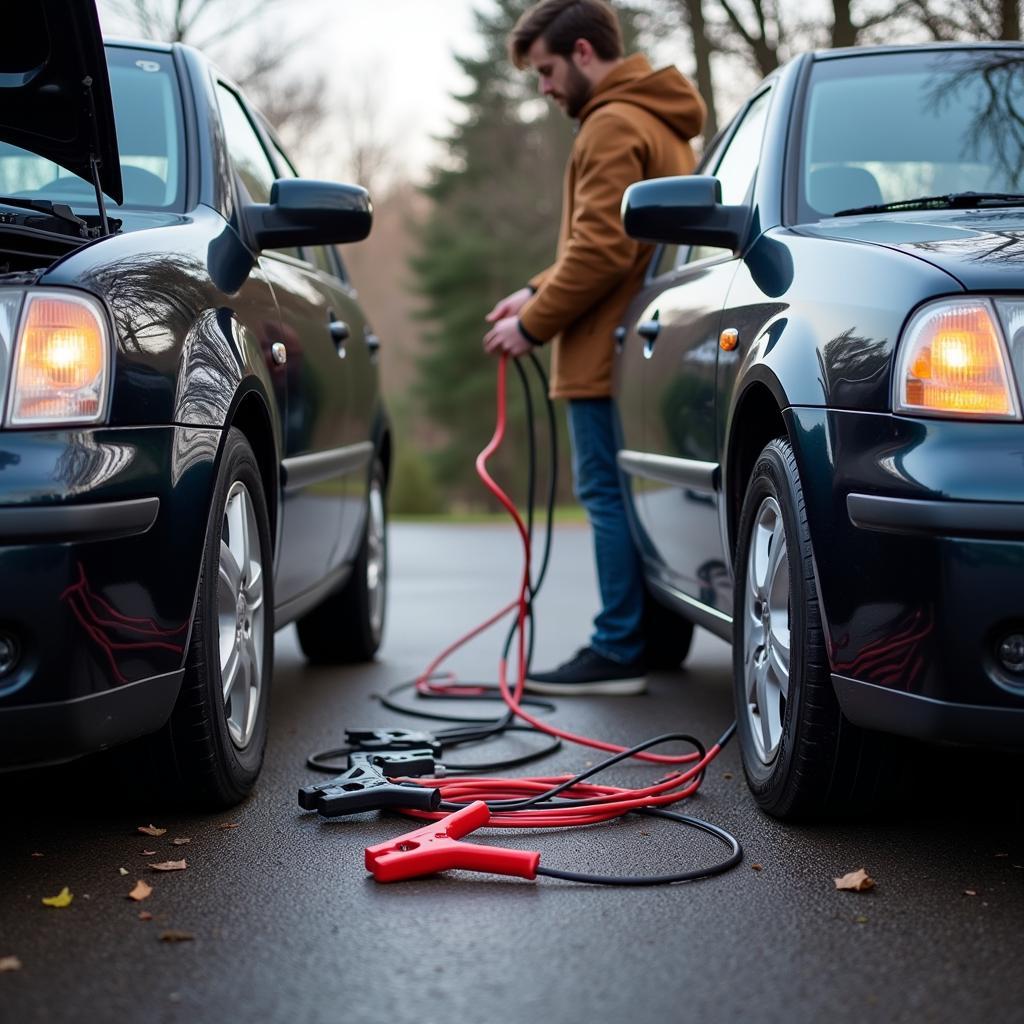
[[340, 333], [372, 341], [649, 331]]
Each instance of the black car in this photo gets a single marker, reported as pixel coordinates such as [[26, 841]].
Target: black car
[[193, 449], [821, 394]]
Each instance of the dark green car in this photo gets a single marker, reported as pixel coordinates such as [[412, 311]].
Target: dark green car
[[821, 394], [193, 449]]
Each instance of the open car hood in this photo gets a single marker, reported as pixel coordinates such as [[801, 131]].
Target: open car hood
[[54, 91]]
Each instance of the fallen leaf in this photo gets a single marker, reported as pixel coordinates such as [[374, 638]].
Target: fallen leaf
[[169, 865], [148, 853], [145, 915], [141, 891], [9, 963], [152, 830], [181, 840], [122, 871], [229, 824], [37, 855], [861, 919], [757, 867], [62, 899], [855, 881], [970, 892], [175, 936]]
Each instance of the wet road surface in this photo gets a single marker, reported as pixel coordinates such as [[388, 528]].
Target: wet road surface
[[287, 926]]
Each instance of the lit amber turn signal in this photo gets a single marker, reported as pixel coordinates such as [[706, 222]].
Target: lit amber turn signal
[[62, 361], [953, 362]]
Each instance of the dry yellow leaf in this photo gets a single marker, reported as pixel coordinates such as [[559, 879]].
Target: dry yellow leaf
[[176, 936], [152, 830], [169, 865], [9, 963], [62, 899], [229, 824], [855, 881], [141, 891], [182, 840], [970, 892], [145, 915], [122, 871], [148, 853]]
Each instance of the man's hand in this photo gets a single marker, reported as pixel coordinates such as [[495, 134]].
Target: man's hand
[[506, 337], [509, 306]]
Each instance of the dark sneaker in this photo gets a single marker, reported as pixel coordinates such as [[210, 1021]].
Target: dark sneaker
[[590, 672]]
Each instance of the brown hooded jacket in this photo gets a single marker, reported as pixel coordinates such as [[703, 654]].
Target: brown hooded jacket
[[636, 125]]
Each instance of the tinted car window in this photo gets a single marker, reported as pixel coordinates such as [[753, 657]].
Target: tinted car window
[[899, 126], [739, 162], [147, 113], [248, 156], [737, 167]]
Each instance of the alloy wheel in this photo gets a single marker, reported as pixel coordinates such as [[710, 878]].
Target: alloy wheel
[[376, 558], [240, 614], [767, 610]]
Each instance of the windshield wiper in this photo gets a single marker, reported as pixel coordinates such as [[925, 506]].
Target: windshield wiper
[[59, 211], [950, 201]]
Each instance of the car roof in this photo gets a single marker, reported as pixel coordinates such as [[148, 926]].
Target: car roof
[[138, 44], [864, 51]]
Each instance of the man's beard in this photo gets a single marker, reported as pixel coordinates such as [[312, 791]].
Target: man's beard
[[577, 91]]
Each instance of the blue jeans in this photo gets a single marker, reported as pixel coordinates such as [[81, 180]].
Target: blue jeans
[[618, 632]]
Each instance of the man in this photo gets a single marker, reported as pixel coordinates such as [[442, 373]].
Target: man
[[634, 123]]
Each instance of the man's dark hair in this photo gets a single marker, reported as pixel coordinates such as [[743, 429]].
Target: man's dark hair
[[560, 23]]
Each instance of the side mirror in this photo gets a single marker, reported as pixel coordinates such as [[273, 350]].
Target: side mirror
[[683, 211], [306, 212]]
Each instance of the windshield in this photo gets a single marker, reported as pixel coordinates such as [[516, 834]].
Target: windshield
[[147, 111], [896, 126]]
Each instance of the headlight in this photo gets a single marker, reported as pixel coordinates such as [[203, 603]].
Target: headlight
[[953, 362], [61, 361]]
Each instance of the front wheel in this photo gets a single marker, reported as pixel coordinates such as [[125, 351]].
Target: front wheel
[[218, 729], [802, 759]]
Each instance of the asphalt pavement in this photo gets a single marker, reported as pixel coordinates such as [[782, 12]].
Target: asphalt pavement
[[285, 924]]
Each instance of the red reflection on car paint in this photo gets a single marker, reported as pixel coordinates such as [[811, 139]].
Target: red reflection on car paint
[[892, 659], [84, 603]]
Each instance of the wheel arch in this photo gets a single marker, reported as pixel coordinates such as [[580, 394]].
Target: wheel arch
[[251, 416], [757, 419]]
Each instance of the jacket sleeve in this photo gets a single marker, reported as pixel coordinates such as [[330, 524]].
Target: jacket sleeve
[[598, 254]]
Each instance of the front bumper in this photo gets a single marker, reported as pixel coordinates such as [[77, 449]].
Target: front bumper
[[101, 539], [918, 536]]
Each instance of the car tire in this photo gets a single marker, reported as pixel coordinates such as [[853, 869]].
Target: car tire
[[348, 626], [802, 758], [668, 635], [217, 738]]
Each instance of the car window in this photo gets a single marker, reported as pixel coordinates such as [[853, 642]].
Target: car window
[[897, 126], [248, 156], [735, 165], [150, 141]]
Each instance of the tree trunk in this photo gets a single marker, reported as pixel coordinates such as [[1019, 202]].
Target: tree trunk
[[694, 10], [1010, 19], [843, 32]]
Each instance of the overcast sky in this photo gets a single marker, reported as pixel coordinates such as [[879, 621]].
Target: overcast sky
[[402, 48]]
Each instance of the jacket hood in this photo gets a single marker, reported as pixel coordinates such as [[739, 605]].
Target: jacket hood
[[54, 91], [982, 249], [664, 93]]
